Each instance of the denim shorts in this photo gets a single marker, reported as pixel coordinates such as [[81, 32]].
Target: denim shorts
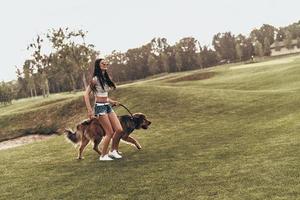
[[102, 109]]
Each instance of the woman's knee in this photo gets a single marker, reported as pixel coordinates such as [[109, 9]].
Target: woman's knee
[[119, 130], [109, 133], [105, 123]]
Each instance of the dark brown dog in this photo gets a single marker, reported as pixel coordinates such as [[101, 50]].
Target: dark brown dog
[[129, 124], [91, 129]]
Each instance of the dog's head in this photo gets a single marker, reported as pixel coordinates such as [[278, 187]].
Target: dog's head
[[141, 120]]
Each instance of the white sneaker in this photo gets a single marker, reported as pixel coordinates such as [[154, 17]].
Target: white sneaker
[[105, 158], [114, 154]]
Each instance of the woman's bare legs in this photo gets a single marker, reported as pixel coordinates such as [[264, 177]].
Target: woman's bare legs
[[105, 122], [118, 130]]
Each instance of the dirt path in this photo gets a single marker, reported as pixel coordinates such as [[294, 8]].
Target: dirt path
[[23, 140]]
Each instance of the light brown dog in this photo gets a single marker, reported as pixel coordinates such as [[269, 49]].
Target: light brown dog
[[87, 130]]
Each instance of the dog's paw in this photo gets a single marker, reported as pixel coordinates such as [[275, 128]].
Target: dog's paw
[[80, 158], [139, 147]]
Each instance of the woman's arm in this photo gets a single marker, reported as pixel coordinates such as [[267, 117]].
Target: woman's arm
[[87, 101], [113, 102]]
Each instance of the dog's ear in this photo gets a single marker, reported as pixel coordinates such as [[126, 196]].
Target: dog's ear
[[68, 131], [139, 119]]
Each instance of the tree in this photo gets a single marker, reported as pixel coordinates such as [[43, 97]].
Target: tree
[[164, 59], [225, 46], [21, 84], [239, 52], [6, 95], [178, 61], [153, 64], [187, 49], [117, 67], [246, 46], [258, 49], [40, 62], [298, 42], [288, 40], [159, 49], [266, 46], [208, 57], [82, 54], [137, 61], [265, 31], [293, 29], [77, 55], [158, 45], [280, 36], [28, 70]]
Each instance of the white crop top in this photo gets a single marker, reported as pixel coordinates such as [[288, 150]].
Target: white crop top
[[100, 92]]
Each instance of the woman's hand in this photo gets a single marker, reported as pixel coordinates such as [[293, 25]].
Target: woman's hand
[[90, 113], [114, 103]]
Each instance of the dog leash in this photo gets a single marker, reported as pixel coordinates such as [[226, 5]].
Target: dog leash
[[130, 114], [126, 109]]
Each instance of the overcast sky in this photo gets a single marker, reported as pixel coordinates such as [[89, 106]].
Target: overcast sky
[[124, 24]]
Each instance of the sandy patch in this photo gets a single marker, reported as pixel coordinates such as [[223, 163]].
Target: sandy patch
[[23, 140], [266, 63]]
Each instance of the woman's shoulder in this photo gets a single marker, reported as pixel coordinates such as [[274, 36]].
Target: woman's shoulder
[[95, 79]]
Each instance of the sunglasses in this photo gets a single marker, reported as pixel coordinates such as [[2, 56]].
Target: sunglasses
[[105, 64]]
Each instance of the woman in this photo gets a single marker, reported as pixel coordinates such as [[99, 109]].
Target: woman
[[100, 85]]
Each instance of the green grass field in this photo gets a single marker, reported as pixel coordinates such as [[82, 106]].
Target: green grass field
[[233, 134]]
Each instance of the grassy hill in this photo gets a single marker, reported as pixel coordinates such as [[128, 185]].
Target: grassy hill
[[228, 132]]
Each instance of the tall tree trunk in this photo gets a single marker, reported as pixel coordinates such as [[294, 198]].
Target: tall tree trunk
[[43, 90], [84, 80], [47, 87], [31, 92], [57, 88], [53, 88], [34, 89], [73, 82]]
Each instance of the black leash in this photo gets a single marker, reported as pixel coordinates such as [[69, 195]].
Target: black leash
[[134, 119], [126, 109]]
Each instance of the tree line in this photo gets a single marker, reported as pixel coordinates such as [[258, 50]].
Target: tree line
[[63, 69], [69, 65]]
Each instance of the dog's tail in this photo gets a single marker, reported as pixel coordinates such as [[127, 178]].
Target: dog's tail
[[73, 137]]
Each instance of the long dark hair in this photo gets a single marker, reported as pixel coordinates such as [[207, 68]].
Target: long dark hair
[[102, 77]]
